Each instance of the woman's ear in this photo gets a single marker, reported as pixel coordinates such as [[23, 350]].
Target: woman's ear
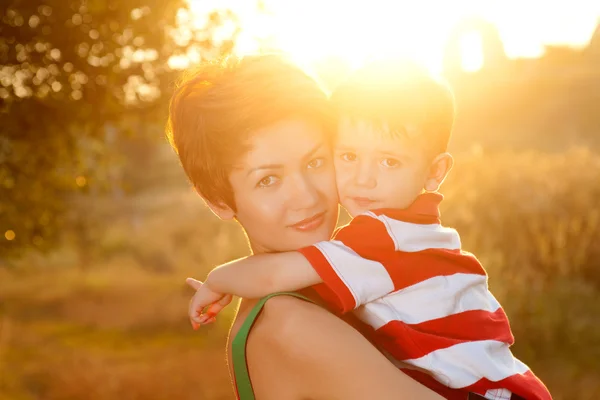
[[220, 209], [438, 170]]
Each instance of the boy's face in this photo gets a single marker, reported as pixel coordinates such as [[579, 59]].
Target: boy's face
[[376, 169]]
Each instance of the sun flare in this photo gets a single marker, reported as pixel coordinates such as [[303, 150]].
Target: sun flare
[[356, 32]]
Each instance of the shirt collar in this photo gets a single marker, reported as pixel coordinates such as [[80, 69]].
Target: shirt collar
[[424, 210], [427, 204]]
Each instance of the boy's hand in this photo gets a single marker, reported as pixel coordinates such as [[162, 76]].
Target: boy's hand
[[205, 297]]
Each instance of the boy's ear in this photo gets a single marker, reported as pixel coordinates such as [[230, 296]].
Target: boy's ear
[[438, 170], [220, 209]]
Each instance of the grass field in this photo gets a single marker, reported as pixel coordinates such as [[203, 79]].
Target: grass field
[[117, 327]]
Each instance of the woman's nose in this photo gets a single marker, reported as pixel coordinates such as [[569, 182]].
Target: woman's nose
[[303, 193]]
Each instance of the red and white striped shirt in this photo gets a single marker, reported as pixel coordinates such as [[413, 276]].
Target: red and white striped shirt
[[425, 300]]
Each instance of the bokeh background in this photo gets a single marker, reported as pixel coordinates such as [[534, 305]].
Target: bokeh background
[[99, 227]]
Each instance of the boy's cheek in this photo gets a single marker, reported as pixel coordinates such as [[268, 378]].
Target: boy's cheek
[[341, 180], [342, 173]]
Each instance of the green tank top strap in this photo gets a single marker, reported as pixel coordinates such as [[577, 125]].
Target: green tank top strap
[[238, 347]]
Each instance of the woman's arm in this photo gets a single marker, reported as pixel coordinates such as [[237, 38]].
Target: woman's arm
[[318, 356]]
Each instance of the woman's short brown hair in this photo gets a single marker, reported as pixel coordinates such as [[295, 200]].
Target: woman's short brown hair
[[217, 106]]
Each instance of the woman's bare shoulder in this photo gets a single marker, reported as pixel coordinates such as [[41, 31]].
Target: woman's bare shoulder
[[277, 315], [274, 328], [267, 347], [295, 346]]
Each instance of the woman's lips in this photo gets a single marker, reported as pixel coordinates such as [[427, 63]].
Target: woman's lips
[[362, 202], [310, 224]]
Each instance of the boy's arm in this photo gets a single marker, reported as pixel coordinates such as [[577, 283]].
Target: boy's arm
[[263, 274], [360, 265], [348, 267]]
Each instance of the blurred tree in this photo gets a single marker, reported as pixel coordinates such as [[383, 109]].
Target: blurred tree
[[75, 75]]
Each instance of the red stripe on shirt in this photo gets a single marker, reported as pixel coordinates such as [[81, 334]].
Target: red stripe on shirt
[[407, 269], [406, 341], [526, 385], [367, 236], [424, 210], [343, 300]]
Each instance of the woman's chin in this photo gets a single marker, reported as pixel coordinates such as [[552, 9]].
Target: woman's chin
[[304, 239]]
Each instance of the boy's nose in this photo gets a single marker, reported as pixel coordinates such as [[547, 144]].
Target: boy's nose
[[365, 177]]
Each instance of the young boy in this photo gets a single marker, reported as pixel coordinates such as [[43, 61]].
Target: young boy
[[401, 272]]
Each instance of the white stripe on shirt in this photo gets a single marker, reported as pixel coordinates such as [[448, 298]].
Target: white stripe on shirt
[[411, 237], [433, 298], [466, 363], [366, 279]]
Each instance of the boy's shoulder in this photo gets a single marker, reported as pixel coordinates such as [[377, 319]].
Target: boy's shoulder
[[360, 222], [365, 231], [379, 220], [399, 230], [377, 233]]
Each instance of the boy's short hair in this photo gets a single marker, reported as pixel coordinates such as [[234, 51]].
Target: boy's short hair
[[403, 97], [216, 106]]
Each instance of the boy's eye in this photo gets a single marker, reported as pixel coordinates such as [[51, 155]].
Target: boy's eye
[[316, 163], [349, 157], [267, 181], [390, 162]]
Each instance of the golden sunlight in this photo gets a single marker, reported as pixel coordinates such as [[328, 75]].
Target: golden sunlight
[[471, 52], [356, 32]]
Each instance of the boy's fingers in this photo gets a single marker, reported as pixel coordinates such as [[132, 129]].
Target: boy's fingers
[[194, 309], [194, 283], [204, 317], [216, 308], [198, 320]]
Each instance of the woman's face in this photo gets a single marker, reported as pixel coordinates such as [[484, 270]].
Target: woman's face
[[284, 187]]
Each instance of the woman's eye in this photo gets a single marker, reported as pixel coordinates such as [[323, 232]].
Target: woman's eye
[[267, 181], [316, 163], [390, 162], [349, 157]]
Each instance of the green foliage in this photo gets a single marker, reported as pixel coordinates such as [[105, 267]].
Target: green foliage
[[75, 77]]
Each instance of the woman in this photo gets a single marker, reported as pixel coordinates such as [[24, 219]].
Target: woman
[[254, 137]]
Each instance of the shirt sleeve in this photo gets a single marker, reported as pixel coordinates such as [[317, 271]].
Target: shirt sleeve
[[351, 264]]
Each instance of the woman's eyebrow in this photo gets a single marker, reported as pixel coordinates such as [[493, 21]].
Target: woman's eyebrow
[[266, 166], [280, 166]]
